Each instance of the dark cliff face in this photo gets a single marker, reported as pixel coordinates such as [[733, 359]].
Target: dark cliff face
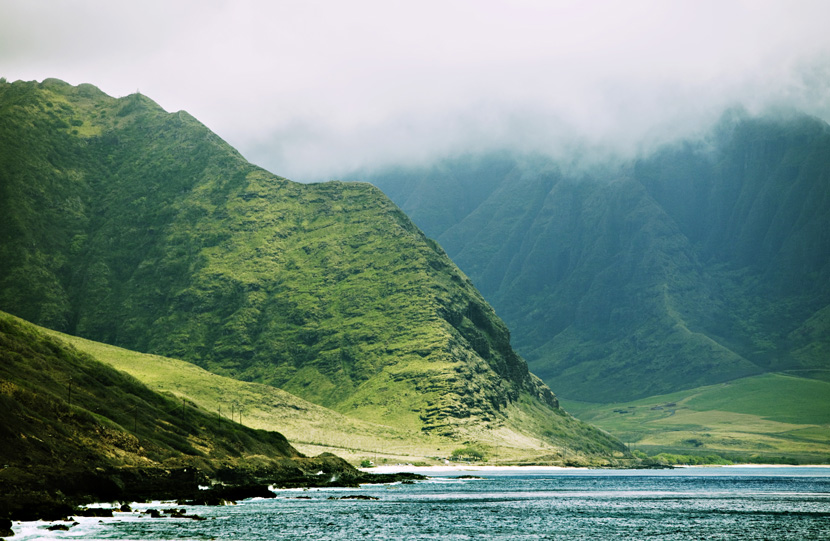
[[140, 228], [703, 262]]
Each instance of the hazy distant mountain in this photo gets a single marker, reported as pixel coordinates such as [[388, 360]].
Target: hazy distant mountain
[[126, 224], [705, 261]]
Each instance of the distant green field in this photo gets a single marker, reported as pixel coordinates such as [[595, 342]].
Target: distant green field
[[772, 416]]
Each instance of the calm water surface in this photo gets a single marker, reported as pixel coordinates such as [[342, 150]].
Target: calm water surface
[[698, 503]]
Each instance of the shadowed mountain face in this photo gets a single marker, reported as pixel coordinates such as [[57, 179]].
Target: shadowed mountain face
[[128, 225], [76, 430], [73, 408], [706, 261]]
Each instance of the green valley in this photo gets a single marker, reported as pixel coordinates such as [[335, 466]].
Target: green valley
[[767, 418]]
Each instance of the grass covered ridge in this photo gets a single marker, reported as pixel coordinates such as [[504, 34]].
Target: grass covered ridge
[[74, 429]]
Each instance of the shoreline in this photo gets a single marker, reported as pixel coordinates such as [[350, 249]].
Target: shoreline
[[402, 468], [458, 468]]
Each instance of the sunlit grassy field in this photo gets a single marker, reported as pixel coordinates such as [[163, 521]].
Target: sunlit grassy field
[[777, 417]]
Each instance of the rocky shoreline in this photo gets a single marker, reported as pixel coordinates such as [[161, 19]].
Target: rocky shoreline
[[55, 495]]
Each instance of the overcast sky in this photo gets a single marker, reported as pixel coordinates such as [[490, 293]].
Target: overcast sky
[[311, 89]]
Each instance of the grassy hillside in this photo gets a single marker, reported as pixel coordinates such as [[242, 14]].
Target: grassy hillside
[[701, 263], [305, 424], [132, 226], [771, 417], [74, 428], [314, 429], [48, 386]]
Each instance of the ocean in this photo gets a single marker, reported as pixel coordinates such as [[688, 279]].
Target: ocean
[[773, 503]]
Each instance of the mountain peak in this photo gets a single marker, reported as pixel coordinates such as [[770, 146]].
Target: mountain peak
[[143, 229]]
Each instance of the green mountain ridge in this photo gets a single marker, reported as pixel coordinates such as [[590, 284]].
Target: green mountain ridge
[[128, 225], [701, 263]]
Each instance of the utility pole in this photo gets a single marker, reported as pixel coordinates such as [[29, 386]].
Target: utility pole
[[70, 392]]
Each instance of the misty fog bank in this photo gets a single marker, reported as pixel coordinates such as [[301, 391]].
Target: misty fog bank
[[577, 159], [313, 90]]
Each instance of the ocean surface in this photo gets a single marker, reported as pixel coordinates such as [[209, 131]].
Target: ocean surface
[[690, 503]]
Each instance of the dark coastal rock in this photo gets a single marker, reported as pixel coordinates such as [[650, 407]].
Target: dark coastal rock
[[53, 497], [36, 505], [6, 528], [180, 513], [387, 478], [142, 484], [174, 512]]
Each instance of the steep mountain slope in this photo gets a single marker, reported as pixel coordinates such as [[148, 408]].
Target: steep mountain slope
[[704, 262], [139, 228]]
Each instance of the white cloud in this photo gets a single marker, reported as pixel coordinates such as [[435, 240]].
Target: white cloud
[[308, 89]]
